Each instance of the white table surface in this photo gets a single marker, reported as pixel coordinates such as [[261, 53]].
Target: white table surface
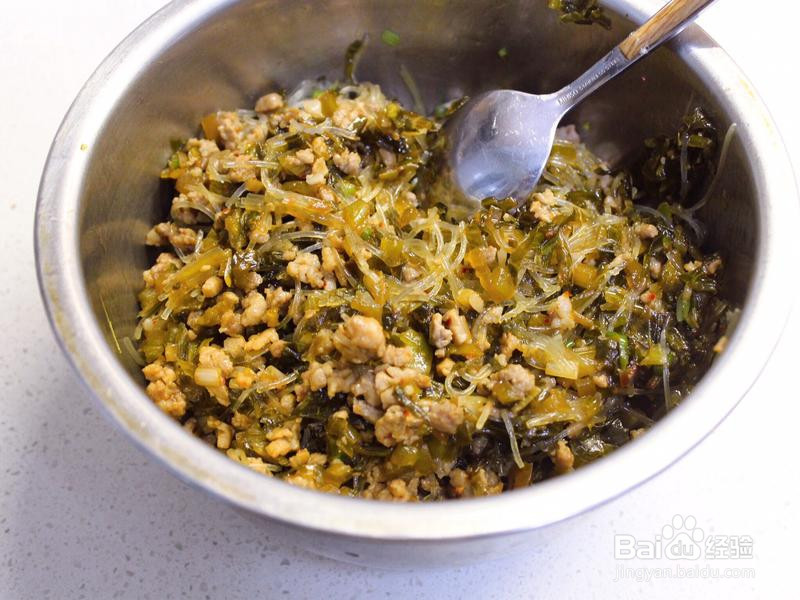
[[83, 514]]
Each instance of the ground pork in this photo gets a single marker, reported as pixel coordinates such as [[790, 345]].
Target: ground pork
[[214, 365], [390, 378], [249, 281], [274, 300], [476, 483], [363, 386], [331, 268], [446, 416], [508, 344], [445, 366], [230, 128], [320, 147], [305, 156], [283, 440], [242, 169], [163, 389], [306, 268], [166, 263], [277, 297], [560, 312], [645, 231], [199, 151], [402, 491], [269, 102], [255, 306], [335, 378], [259, 342], [458, 326], [542, 206], [348, 162], [563, 458], [317, 374], [330, 260], [439, 335], [212, 286], [237, 135], [241, 377], [230, 323], [162, 234], [513, 383], [283, 118], [224, 432], [398, 356], [192, 215], [224, 304], [655, 266], [321, 345], [360, 339], [213, 356], [346, 113], [398, 426], [319, 171]]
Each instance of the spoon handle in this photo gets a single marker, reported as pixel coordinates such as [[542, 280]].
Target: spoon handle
[[661, 26], [667, 22]]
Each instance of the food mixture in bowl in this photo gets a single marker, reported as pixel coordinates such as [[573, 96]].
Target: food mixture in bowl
[[321, 315]]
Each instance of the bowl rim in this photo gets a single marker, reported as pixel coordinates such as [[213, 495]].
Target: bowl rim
[[81, 338]]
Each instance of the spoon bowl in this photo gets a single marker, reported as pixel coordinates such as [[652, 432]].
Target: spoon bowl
[[498, 143]]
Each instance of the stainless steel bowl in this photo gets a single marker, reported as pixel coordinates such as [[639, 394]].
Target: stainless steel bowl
[[100, 193]]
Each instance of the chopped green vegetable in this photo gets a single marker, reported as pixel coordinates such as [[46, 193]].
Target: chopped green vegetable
[[581, 12], [353, 54], [679, 165], [390, 38]]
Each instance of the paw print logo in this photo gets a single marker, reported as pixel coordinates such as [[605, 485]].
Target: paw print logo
[[682, 539]]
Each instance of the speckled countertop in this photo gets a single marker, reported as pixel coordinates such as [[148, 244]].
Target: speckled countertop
[[84, 514]]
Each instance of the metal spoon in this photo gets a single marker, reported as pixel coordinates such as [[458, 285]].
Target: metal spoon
[[498, 142]]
